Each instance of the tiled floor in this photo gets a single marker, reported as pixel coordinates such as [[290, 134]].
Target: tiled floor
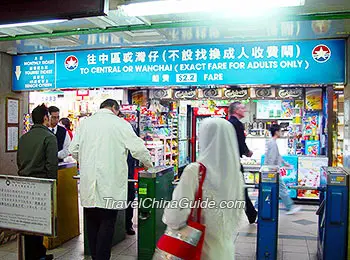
[[297, 240]]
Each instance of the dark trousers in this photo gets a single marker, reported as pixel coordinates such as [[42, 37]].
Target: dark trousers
[[34, 248], [249, 209], [129, 213], [100, 230]]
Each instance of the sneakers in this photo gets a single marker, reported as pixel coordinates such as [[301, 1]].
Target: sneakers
[[293, 210]]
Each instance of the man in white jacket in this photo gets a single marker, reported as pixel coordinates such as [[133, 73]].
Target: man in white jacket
[[100, 145]]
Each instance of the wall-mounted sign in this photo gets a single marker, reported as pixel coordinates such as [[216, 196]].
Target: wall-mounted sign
[[161, 94], [263, 93], [210, 93], [236, 93], [82, 93], [297, 62], [294, 93], [185, 94], [12, 124], [12, 109]]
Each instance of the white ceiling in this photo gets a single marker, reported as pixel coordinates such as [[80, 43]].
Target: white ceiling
[[118, 30]]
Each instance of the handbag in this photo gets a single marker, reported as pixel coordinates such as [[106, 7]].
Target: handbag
[[187, 242]]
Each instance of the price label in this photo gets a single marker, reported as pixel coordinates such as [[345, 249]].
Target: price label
[[189, 77], [143, 191]]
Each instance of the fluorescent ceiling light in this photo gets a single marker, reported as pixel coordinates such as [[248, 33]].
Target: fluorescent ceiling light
[[31, 23], [235, 7]]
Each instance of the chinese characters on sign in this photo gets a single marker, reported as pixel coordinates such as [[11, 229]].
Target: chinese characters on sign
[[166, 62], [35, 71], [308, 62], [198, 54]]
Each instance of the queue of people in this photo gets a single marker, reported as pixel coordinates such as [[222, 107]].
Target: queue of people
[[105, 146]]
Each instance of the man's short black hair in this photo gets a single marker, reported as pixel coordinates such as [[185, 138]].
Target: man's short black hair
[[233, 107], [39, 113], [110, 103], [274, 128], [53, 109]]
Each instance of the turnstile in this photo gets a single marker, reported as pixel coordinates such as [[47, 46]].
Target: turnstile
[[155, 187], [333, 214], [267, 235]]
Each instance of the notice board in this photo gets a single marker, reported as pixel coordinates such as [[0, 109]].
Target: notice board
[[28, 205]]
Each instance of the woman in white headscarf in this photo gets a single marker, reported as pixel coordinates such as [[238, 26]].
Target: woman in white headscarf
[[218, 152]]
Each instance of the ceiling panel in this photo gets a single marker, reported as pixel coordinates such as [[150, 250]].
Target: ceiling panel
[[126, 31], [187, 35]]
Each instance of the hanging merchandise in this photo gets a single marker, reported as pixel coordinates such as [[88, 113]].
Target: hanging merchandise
[[313, 98], [311, 124], [211, 106], [310, 133], [140, 98], [287, 109], [27, 123]]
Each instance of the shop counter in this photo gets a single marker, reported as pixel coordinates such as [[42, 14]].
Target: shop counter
[[67, 206]]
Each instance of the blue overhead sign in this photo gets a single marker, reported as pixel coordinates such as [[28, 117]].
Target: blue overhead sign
[[31, 72], [305, 62]]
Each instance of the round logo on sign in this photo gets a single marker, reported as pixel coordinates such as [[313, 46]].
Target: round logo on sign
[[71, 63], [321, 53]]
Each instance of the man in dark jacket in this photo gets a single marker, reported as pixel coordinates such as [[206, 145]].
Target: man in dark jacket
[[237, 112], [63, 139], [37, 157], [129, 212]]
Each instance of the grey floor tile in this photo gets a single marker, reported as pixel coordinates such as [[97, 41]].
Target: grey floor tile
[[312, 250], [122, 246], [305, 222], [131, 250], [72, 255], [246, 252], [60, 251], [10, 247], [238, 257], [295, 256], [295, 242], [3, 253], [247, 245], [10, 256], [280, 242], [244, 236], [311, 243], [125, 257], [313, 256], [295, 249]]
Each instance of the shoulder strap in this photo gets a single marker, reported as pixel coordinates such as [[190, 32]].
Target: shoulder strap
[[196, 210]]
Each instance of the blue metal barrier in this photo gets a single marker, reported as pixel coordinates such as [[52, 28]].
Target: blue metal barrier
[[333, 214], [268, 213]]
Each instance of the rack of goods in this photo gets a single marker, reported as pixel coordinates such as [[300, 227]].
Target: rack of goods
[[158, 125]]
